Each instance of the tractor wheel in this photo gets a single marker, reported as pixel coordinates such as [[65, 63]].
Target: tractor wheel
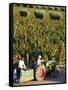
[[40, 72]]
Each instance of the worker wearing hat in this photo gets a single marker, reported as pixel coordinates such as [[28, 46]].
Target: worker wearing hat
[[39, 61]]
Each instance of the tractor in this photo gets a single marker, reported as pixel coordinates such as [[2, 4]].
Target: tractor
[[33, 72]]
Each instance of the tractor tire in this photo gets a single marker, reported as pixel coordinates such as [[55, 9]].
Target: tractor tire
[[40, 72]]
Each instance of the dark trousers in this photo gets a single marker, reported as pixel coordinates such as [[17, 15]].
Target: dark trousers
[[18, 72]]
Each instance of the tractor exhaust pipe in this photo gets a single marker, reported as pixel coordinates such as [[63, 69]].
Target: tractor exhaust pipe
[[27, 60]]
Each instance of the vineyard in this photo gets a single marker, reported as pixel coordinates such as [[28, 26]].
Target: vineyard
[[39, 30]]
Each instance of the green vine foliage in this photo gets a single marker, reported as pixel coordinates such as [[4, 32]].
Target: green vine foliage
[[39, 36]]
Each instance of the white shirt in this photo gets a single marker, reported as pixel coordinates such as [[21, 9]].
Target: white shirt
[[39, 61], [22, 64]]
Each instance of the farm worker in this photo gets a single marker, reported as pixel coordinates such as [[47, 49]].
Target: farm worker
[[39, 61], [22, 64], [21, 67], [14, 75]]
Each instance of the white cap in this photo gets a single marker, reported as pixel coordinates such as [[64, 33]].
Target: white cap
[[39, 57]]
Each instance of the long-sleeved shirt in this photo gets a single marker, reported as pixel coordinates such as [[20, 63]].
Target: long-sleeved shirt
[[22, 65], [39, 61]]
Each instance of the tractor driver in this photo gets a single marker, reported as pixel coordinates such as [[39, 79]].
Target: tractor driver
[[39, 60]]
